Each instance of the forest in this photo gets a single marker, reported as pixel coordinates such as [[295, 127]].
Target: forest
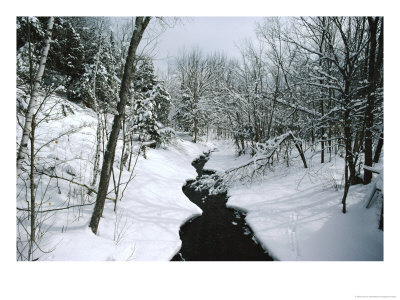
[[291, 132]]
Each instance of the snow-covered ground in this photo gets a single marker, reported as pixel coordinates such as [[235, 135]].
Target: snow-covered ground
[[296, 212], [146, 225], [149, 216]]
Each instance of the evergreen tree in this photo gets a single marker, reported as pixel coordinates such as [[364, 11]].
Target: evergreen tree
[[182, 113], [98, 79], [162, 101], [145, 118], [152, 103], [30, 37], [144, 79], [30, 29], [66, 54]]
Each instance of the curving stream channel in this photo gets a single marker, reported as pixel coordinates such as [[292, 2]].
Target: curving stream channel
[[220, 233]]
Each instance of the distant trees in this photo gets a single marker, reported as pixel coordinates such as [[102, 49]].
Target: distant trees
[[196, 76], [319, 77]]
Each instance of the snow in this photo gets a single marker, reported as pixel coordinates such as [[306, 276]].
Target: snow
[[296, 214], [151, 213], [146, 225], [222, 155]]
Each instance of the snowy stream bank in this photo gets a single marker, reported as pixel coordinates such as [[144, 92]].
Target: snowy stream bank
[[296, 212]]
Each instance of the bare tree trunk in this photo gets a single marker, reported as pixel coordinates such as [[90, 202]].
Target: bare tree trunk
[[379, 59], [271, 117], [348, 135], [346, 186], [381, 217], [121, 166], [23, 146], [330, 127], [97, 153], [369, 118], [195, 130], [349, 162], [30, 57], [313, 130], [321, 49], [322, 143], [378, 149], [96, 107], [131, 151], [140, 26], [32, 192], [298, 145]]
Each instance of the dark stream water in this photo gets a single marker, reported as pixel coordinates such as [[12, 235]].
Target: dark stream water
[[220, 233]]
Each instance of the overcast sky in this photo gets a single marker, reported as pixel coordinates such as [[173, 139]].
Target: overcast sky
[[210, 34]]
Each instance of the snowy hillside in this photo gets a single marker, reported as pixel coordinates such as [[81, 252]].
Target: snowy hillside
[[147, 221]]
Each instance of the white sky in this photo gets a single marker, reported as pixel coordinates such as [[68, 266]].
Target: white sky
[[210, 34]]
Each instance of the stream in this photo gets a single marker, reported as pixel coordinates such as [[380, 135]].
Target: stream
[[220, 233]]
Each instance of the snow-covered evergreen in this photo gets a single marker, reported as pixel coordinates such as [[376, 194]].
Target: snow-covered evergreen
[[151, 104]]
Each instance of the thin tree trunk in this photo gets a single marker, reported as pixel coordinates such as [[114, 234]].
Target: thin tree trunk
[[121, 165], [330, 127], [349, 157], [96, 107], [378, 149], [195, 130], [321, 46], [30, 57], [369, 118], [23, 146], [298, 145], [273, 106], [32, 192], [131, 151], [322, 145], [140, 26], [346, 186], [379, 59], [381, 217], [97, 153]]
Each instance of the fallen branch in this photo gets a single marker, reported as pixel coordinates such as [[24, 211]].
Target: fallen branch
[[218, 182], [373, 170], [276, 142]]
